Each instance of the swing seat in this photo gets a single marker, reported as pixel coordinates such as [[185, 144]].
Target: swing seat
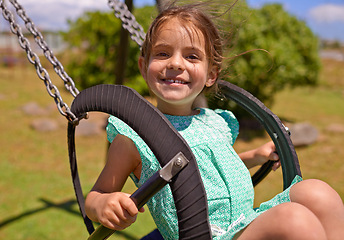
[[126, 104], [160, 135]]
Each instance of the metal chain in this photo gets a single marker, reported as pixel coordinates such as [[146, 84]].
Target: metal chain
[[34, 59], [68, 82], [128, 21], [120, 10]]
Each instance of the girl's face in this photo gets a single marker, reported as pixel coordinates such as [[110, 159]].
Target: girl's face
[[178, 68]]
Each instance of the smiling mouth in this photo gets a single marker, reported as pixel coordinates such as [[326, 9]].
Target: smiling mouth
[[174, 81]]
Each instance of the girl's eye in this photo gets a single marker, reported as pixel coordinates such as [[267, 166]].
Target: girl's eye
[[192, 57], [161, 54]]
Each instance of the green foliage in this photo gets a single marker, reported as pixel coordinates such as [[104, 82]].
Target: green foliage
[[93, 48], [94, 41], [281, 52]]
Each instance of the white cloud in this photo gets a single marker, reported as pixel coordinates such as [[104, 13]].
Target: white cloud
[[53, 14], [327, 13]]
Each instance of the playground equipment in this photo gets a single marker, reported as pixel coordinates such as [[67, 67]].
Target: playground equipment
[[178, 163]]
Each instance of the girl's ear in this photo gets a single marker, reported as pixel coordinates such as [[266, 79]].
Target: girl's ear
[[212, 76], [142, 67]]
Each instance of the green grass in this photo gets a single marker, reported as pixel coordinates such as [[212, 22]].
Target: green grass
[[37, 199]]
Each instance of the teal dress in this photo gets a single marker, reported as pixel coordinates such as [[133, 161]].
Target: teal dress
[[210, 135]]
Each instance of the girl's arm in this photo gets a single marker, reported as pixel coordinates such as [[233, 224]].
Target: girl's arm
[[260, 155], [105, 203]]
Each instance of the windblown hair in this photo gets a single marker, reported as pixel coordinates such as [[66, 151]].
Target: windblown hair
[[191, 18]]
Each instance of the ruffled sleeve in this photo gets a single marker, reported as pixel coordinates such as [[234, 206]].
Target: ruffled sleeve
[[232, 123], [149, 163]]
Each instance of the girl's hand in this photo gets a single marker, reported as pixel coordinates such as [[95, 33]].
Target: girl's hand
[[116, 210], [261, 155], [267, 152]]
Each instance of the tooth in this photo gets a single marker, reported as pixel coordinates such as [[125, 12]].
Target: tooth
[[174, 81]]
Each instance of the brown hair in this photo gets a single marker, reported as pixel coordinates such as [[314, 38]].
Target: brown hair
[[188, 15]]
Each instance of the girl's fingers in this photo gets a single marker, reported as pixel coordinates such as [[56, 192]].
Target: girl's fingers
[[276, 165], [129, 206], [274, 156], [115, 225], [121, 220], [141, 210], [120, 213]]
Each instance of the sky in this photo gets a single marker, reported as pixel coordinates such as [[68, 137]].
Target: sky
[[324, 17]]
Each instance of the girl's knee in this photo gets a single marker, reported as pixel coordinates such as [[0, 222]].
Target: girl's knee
[[294, 215], [312, 184], [285, 221], [314, 192], [301, 221]]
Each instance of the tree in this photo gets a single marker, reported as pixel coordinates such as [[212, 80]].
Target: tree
[[288, 55], [94, 39]]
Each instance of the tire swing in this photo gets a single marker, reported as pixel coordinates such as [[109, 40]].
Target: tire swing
[[171, 149]]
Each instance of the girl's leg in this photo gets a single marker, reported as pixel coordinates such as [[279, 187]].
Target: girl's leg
[[322, 201], [285, 221]]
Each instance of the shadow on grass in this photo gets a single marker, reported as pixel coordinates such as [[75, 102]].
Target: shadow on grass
[[66, 206]]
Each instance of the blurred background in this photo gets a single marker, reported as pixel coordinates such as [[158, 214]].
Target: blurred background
[[294, 64]]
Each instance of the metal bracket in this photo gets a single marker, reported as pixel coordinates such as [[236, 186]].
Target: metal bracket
[[173, 167]]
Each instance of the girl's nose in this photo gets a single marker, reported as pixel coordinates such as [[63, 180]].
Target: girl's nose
[[176, 63]]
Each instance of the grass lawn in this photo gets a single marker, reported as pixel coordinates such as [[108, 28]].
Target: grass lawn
[[37, 198]]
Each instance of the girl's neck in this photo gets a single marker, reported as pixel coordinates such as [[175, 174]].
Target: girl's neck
[[177, 110]]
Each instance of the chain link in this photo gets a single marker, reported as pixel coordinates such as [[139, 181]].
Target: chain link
[[128, 21], [34, 59]]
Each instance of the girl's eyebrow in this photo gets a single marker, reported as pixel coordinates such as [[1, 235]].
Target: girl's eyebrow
[[161, 45], [198, 49], [165, 45]]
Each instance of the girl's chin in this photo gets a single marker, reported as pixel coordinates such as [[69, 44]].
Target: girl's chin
[[175, 101], [172, 100]]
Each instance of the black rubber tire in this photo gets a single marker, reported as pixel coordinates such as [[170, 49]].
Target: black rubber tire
[[165, 142]]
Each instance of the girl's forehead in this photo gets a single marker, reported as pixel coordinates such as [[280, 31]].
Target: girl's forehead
[[178, 29]]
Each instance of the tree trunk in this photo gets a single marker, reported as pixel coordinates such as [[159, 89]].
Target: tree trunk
[[123, 50]]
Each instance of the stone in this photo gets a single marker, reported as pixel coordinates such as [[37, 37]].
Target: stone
[[44, 125], [33, 109], [303, 134], [87, 128]]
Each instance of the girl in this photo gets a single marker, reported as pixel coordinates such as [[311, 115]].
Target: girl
[[181, 56]]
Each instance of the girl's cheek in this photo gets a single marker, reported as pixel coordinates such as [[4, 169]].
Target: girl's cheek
[[155, 67]]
